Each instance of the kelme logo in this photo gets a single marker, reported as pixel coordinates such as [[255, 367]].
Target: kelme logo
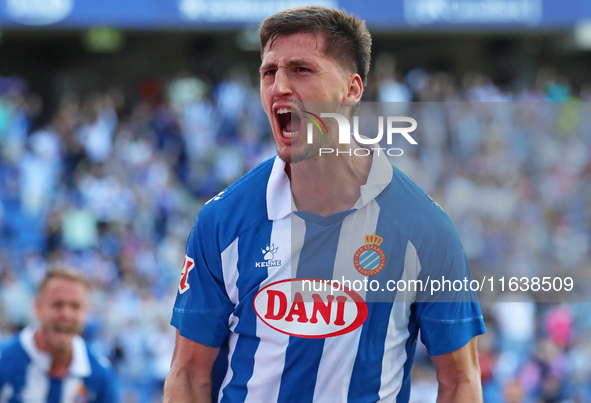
[[290, 307]]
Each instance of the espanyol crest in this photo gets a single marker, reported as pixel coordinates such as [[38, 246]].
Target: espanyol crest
[[370, 259], [81, 395]]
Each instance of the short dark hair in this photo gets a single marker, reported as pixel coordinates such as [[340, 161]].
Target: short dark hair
[[348, 41], [61, 271]]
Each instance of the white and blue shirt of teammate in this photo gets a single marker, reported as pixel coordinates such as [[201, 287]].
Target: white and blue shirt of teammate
[[24, 374], [249, 244]]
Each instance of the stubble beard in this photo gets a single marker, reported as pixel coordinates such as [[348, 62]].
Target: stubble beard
[[308, 151]]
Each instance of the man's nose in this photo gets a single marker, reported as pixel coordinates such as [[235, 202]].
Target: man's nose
[[282, 84], [67, 312]]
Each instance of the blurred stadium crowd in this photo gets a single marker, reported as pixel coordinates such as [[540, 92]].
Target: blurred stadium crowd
[[113, 182]]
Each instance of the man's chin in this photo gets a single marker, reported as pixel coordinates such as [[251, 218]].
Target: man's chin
[[61, 342], [295, 157]]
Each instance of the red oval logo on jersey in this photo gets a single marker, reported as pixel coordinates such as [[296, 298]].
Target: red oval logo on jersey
[[310, 308]]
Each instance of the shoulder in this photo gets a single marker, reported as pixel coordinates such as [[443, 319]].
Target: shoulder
[[415, 213], [239, 206], [248, 189], [12, 355], [100, 366], [101, 379], [10, 346], [411, 209]]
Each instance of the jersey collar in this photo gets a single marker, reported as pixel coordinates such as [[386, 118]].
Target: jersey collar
[[380, 176], [280, 201], [279, 198], [80, 365]]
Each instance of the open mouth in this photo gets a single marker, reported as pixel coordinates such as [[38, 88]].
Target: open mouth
[[64, 329], [289, 122]]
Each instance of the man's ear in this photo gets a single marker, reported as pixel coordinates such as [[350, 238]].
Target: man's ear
[[355, 89]]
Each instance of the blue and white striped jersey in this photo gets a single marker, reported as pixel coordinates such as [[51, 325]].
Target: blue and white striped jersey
[[242, 289], [24, 374]]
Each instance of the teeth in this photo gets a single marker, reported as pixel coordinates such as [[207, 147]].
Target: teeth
[[288, 134], [62, 329], [283, 110]]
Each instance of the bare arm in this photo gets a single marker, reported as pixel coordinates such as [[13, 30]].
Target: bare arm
[[189, 379], [458, 374]]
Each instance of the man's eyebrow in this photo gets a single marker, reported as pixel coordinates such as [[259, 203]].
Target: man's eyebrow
[[299, 62], [266, 66], [290, 63]]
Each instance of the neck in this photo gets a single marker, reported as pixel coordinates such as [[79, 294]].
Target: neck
[[328, 184], [60, 358]]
